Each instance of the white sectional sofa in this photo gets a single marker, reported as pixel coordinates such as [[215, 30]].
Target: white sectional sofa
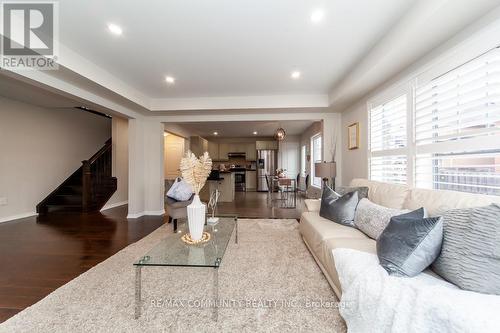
[[322, 236]]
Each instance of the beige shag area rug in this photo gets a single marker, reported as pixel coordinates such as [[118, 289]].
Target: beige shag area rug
[[269, 282]]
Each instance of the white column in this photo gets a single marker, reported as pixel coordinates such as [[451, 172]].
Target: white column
[[154, 168], [136, 169], [119, 135], [146, 180]]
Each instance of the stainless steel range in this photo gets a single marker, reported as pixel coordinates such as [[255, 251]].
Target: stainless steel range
[[239, 179]]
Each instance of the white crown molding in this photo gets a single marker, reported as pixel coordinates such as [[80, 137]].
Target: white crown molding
[[239, 102]]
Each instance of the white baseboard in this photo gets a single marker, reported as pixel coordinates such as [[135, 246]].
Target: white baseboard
[[16, 217], [148, 212], [116, 204]]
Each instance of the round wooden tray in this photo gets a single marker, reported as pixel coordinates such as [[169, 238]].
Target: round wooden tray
[[186, 238]]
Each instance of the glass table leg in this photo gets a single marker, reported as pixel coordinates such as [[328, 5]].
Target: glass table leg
[[236, 238], [216, 294], [137, 292]]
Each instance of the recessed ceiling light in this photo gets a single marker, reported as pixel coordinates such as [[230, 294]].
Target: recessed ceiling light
[[170, 79], [255, 133], [295, 75], [317, 15], [216, 133], [115, 29]]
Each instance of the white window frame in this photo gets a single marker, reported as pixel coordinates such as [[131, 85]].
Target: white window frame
[[303, 160], [440, 66], [407, 151], [314, 179]]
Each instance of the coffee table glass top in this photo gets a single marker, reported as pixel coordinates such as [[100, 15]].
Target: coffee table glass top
[[172, 251]]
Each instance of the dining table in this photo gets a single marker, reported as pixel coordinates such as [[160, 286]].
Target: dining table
[[287, 188]]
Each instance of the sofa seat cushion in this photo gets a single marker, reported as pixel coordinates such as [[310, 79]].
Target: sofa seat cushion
[[360, 244], [178, 204], [316, 230]]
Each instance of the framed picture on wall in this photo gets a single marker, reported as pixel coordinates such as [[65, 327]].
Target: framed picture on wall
[[353, 136]]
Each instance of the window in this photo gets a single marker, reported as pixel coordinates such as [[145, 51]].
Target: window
[[315, 158], [457, 128], [388, 141], [453, 142], [303, 157]]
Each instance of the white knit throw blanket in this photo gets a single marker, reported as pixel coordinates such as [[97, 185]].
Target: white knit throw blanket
[[373, 301]]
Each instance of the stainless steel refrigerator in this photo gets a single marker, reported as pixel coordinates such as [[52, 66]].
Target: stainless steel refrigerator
[[267, 162]]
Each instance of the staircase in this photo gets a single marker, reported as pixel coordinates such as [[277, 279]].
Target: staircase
[[87, 189]]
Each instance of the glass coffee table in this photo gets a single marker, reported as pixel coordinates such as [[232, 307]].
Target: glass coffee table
[[172, 251]]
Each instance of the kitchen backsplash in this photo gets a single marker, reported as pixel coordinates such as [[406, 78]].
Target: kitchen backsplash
[[235, 161]]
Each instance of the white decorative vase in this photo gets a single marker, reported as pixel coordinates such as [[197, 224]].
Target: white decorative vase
[[196, 218]]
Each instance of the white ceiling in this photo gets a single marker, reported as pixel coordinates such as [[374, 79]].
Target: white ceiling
[[232, 129], [223, 48], [238, 55]]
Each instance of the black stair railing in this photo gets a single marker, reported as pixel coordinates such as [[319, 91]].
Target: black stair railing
[[96, 174], [91, 185]]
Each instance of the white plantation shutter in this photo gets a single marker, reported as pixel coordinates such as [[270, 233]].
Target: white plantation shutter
[[388, 141], [457, 128], [389, 169], [388, 125]]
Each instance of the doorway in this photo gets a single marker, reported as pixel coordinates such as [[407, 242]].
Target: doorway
[[174, 150]]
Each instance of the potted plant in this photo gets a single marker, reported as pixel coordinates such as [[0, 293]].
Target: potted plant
[[195, 172]]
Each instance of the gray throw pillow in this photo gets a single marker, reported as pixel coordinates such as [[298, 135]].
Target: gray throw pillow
[[362, 191], [470, 257], [410, 243], [337, 208], [372, 219]]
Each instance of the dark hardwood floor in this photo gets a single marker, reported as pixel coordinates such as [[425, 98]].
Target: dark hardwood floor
[[38, 255]]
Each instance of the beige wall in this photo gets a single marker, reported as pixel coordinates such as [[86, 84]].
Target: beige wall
[[355, 162], [40, 148], [119, 130]]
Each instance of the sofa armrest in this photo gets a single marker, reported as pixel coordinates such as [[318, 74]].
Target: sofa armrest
[[312, 205]]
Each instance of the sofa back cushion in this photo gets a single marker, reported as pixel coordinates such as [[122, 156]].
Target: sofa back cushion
[[439, 201], [384, 194]]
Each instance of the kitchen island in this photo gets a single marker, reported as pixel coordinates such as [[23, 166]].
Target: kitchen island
[[225, 184]]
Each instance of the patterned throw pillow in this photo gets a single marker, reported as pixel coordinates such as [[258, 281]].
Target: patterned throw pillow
[[410, 243], [372, 219], [470, 257]]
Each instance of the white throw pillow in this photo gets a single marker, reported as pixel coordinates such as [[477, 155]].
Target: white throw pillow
[[180, 190], [372, 219]]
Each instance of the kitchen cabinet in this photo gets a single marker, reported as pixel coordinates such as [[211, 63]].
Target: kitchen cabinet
[[251, 180], [198, 145], [223, 151], [213, 150], [251, 152], [266, 145]]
